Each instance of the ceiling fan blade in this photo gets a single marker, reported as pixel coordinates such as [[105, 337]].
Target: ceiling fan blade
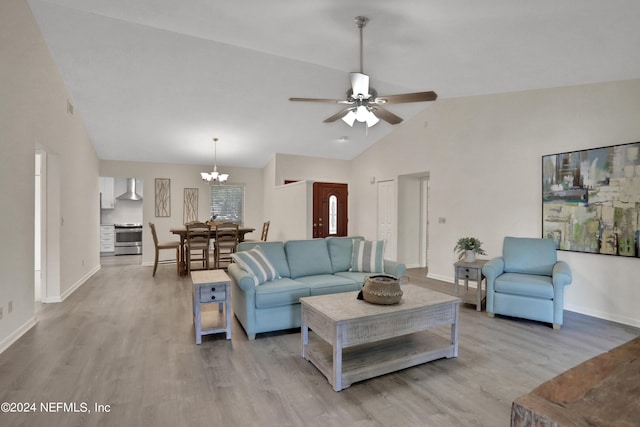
[[386, 115], [407, 97], [360, 84], [340, 114], [331, 101]]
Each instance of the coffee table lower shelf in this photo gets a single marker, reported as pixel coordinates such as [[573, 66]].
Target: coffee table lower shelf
[[373, 359]]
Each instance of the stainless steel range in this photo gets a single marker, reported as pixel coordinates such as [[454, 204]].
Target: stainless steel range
[[128, 239]]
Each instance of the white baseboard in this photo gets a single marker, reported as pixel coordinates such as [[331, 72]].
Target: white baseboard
[[441, 278], [79, 283], [413, 265], [4, 344], [603, 315]]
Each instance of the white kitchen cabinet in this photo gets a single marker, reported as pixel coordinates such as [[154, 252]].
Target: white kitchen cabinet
[[107, 184], [107, 240]]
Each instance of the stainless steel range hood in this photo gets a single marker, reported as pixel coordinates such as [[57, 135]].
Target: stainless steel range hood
[[130, 194]]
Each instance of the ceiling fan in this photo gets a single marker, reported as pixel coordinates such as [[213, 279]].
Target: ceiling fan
[[363, 102]]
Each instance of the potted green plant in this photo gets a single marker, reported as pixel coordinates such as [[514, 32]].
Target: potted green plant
[[468, 247]]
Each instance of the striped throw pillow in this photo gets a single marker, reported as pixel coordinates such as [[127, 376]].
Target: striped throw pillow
[[255, 262], [368, 256]]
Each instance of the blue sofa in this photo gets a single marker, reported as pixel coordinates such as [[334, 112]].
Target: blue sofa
[[527, 281], [306, 268]]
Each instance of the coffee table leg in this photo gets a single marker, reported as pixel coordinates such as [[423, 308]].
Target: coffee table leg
[[337, 359], [337, 366], [454, 331], [305, 337]]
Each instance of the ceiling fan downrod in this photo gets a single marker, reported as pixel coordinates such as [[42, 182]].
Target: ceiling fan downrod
[[361, 22]]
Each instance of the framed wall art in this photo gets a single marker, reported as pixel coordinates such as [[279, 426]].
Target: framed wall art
[[163, 197], [190, 206], [591, 200]]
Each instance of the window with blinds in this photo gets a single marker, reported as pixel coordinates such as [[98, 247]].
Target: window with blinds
[[227, 203]]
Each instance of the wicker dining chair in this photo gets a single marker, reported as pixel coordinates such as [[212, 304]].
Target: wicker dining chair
[[226, 242], [197, 244]]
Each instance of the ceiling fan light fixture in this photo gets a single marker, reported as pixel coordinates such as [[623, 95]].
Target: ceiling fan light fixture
[[362, 113], [349, 118], [372, 119]]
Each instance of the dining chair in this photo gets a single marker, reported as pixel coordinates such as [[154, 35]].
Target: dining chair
[[263, 236], [265, 231], [226, 242], [197, 244], [163, 245]]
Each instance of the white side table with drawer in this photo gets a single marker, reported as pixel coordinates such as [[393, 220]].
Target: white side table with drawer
[[211, 287], [471, 271]]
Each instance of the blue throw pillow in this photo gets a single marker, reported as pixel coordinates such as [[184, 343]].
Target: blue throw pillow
[[368, 257], [256, 263]]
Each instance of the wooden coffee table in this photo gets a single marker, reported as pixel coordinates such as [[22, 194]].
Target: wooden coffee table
[[353, 340]]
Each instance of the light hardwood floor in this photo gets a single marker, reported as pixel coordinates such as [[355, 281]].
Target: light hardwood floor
[[126, 339]]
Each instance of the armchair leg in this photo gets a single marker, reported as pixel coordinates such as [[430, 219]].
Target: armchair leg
[[491, 314]]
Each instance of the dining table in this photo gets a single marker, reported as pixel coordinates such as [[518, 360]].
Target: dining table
[[181, 231]]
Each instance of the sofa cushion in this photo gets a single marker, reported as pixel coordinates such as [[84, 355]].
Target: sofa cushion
[[308, 257], [341, 251], [525, 285], [356, 276], [274, 252], [255, 262], [529, 255], [328, 284], [280, 292], [368, 256]]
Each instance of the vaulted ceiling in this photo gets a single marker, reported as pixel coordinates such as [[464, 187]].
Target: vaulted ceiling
[[156, 80]]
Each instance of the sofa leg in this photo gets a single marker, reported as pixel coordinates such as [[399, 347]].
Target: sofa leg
[[491, 314], [556, 326], [251, 337]]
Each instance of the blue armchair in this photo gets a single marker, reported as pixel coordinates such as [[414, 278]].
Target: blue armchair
[[527, 281]]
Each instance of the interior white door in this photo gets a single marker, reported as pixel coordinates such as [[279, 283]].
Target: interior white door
[[387, 217]]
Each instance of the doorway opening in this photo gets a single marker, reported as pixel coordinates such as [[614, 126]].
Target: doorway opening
[[413, 220], [47, 223]]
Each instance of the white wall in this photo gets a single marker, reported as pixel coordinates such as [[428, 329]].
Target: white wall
[[280, 204], [292, 212], [185, 176], [299, 168], [484, 158], [36, 116]]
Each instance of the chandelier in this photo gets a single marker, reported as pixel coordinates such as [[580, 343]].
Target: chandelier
[[214, 177]]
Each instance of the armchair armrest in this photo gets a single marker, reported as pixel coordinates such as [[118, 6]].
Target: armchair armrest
[[491, 270], [561, 274], [394, 268]]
